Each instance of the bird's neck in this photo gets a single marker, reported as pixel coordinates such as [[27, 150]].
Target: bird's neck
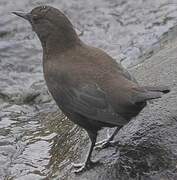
[[59, 42]]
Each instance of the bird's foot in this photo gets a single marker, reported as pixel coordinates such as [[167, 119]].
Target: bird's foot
[[81, 167], [104, 144]]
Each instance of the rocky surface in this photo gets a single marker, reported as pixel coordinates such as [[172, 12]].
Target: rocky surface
[[29, 122]]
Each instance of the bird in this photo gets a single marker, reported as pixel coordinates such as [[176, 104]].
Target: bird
[[90, 87]]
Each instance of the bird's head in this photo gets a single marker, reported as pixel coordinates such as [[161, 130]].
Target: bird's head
[[50, 24]]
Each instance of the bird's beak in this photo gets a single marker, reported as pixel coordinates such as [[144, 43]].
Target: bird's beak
[[26, 16]]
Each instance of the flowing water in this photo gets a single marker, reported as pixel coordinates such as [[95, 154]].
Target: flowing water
[[35, 139]]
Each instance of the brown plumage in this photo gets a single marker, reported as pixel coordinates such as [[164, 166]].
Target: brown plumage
[[90, 87]]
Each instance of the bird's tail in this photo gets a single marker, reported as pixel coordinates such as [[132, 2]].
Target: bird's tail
[[151, 93], [163, 89]]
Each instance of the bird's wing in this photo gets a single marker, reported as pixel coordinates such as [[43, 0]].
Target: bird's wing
[[91, 102]]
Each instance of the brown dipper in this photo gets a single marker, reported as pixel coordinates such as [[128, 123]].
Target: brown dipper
[[89, 86]]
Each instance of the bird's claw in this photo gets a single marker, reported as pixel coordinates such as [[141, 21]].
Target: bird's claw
[[78, 165], [104, 144], [81, 167]]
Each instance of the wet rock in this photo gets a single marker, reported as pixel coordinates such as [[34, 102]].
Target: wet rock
[[19, 97]]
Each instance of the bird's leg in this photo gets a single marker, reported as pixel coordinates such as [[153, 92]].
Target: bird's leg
[[107, 142], [88, 163]]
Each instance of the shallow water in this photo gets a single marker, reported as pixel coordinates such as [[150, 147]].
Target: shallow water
[[29, 145]]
